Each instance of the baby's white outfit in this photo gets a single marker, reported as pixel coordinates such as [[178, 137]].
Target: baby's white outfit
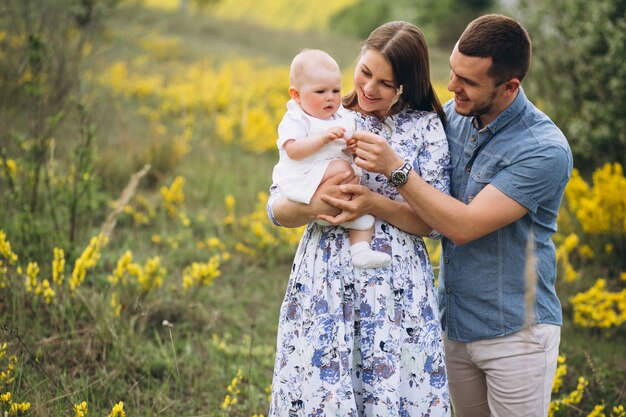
[[298, 180]]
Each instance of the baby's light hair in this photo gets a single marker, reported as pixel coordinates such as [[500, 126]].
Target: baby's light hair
[[308, 59]]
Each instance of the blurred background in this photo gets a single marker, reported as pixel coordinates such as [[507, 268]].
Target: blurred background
[[138, 271]]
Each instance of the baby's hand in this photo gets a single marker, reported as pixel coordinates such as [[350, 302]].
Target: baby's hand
[[352, 144], [333, 133]]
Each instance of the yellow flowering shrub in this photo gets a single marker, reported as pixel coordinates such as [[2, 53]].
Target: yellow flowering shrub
[[601, 208], [201, 273], [600, 308], [231, 398], [592, 237], [153, 274], [571, 399], [254, 234], [7, 370], [173, 196], [87, 260], [298, 15]]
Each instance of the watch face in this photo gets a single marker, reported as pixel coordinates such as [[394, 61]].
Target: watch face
[[398, 178]]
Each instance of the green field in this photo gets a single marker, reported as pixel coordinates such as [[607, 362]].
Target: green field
[[172, 350]]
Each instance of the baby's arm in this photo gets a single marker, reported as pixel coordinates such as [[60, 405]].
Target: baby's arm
[[305, 147]]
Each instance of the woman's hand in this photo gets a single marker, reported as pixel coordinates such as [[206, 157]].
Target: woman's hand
[[361, 203], [292, 214], [332, 188], [373, 153]]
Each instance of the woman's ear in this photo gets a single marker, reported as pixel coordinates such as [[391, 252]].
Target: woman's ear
[[295, 95]]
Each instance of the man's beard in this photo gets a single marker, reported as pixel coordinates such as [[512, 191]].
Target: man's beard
[[482, 109]]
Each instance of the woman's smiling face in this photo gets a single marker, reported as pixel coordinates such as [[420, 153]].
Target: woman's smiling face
[[374, 83]]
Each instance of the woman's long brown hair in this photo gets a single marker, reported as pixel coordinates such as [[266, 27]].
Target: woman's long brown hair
[[404, 47]]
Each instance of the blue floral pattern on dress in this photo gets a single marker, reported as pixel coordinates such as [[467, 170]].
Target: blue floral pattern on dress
[[366, 342]]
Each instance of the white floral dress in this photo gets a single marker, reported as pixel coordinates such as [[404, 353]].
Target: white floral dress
[[366, 342]]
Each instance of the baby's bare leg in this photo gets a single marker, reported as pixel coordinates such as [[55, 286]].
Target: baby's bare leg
[[361, 229], [338, 166], [357, 236]]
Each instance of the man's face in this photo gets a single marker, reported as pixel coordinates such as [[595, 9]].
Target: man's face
[[475, 92]]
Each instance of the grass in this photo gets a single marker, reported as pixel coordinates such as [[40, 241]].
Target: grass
[[75, 350]]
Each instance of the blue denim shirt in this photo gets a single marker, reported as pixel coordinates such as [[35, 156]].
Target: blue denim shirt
[[481, 285]]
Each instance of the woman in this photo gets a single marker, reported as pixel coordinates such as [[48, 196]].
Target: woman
[[368, 342]]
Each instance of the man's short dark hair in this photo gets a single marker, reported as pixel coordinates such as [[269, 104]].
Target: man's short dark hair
[[503, 40]]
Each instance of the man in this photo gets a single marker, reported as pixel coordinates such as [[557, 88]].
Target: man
[[509, 168]]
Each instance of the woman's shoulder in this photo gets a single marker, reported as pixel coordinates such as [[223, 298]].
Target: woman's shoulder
[[420, 115], [418, 118]]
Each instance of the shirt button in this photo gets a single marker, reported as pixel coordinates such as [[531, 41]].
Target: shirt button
[[446, 261], [468, 169], [473, 138], [448, 291]]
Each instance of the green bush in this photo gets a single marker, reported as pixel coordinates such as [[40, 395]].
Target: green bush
[[578, 76]]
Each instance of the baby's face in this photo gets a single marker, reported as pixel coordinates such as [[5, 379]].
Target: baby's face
[[320, 92]]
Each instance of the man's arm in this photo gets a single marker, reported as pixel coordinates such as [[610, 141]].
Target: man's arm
[[490, 210]]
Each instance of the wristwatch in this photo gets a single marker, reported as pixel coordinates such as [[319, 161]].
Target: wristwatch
[[400, 176]]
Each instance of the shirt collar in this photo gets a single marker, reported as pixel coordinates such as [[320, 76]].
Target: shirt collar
[[508, 114]]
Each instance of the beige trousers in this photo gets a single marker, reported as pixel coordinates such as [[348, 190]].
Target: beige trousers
[[508, 376]]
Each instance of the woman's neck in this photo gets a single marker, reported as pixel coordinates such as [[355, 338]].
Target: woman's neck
[[395, 109]]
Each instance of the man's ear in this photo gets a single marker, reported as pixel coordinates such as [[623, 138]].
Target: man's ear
[[295, 95], [511, 86]]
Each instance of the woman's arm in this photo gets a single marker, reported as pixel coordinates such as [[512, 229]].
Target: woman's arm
[[291, 214], [366, 201]]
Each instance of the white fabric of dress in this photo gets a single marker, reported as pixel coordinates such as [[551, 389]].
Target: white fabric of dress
[[298, 180], [366, 342]]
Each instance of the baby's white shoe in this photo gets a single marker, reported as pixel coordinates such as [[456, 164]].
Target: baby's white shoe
[[364, 257]]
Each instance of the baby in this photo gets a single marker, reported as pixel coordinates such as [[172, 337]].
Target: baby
[[312, 146]]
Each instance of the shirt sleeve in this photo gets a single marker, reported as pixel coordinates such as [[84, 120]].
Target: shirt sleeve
[[270, 201], [535, 178], [292, 126], [434, 155], [434, 159]]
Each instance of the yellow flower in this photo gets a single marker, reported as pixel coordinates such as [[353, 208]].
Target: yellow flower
[[87, 260], [618, 411], [5, 249], [58, 266], [199, 273], [19, 408], [229, 201], [118, 410], [5, 398], [153, 274], [11, 166], [561, 371], [80, 410], [115, 305], [32, 270], [173, 197]]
